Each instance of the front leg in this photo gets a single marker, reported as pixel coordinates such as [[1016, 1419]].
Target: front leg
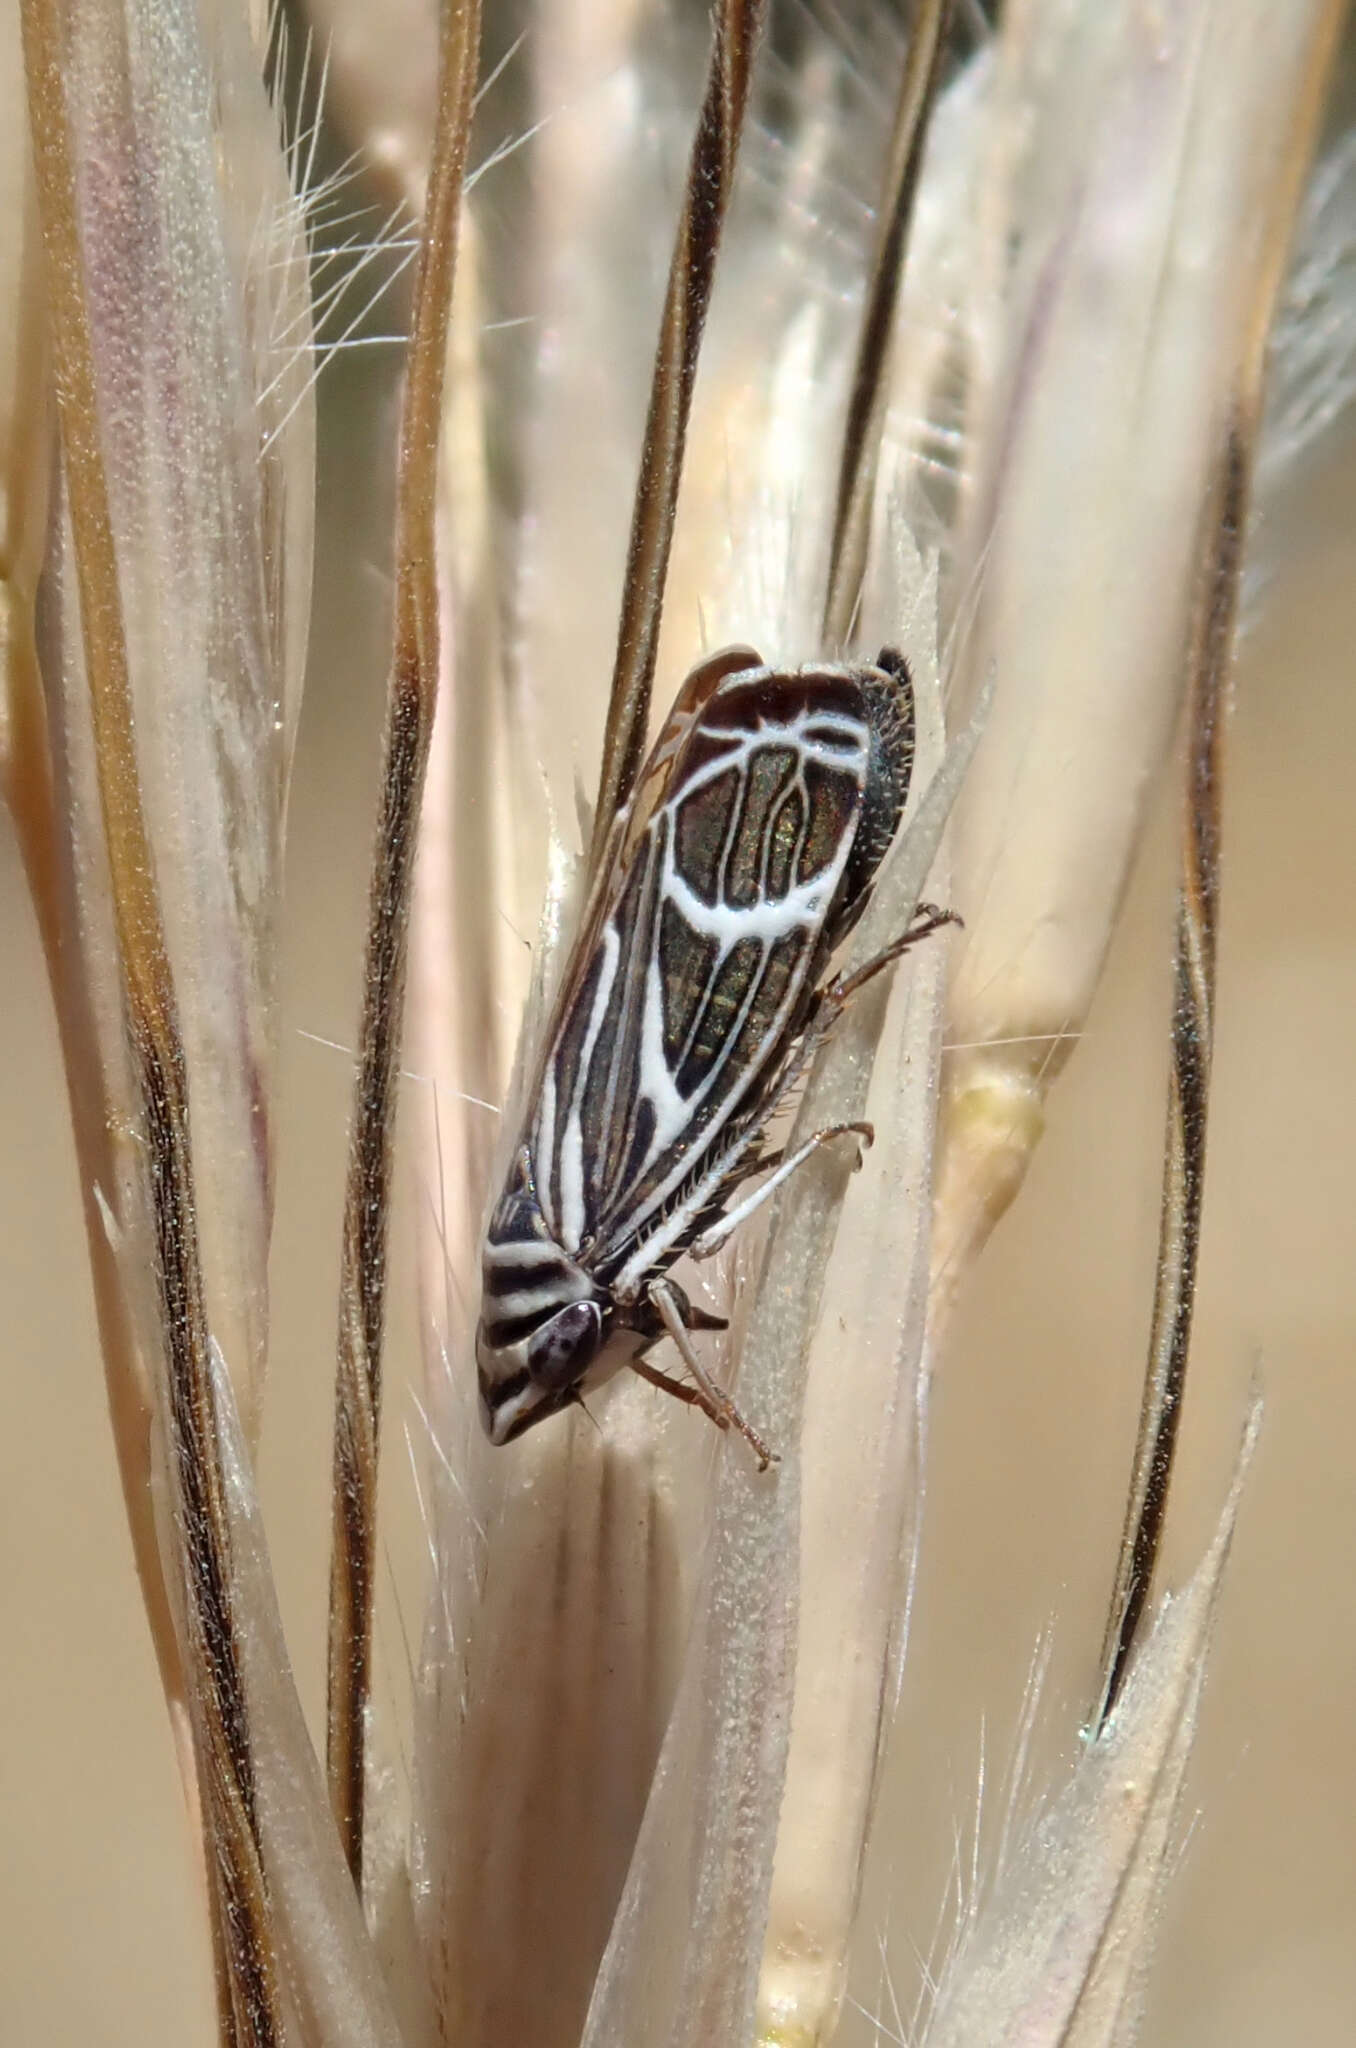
[[704, 1394]]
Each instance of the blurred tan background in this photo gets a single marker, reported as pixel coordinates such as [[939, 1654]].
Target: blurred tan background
[[101, 1940]]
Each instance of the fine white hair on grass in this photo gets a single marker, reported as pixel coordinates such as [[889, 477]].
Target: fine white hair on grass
[[990, 1820], [1059, 1951]]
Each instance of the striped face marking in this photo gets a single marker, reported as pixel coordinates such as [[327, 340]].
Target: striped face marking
[[686, 1010]]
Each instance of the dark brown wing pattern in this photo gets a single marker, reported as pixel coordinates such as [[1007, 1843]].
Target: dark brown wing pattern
[[761, 818]]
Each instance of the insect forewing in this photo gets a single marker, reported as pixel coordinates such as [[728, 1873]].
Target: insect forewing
[[762, 814]]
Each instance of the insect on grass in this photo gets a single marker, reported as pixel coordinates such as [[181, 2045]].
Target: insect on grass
[[691, 1003]]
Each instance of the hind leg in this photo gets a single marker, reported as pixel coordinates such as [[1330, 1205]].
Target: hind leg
[[927, 919]]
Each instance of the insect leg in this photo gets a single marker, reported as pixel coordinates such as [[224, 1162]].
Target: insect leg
[[693, 1396], [706, 1395], [832, 1000], [782, 1165], [927, 918]]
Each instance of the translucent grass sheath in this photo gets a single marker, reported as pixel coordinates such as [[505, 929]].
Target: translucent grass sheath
[[736, 31], [243, 1943], [871, 370], [1193, 1037], [30, 794], [411, 700]]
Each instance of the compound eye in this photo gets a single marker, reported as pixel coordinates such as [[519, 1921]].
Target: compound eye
[[561, 1351]]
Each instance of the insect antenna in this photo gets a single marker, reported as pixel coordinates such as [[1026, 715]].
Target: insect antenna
[[577, 1400]]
